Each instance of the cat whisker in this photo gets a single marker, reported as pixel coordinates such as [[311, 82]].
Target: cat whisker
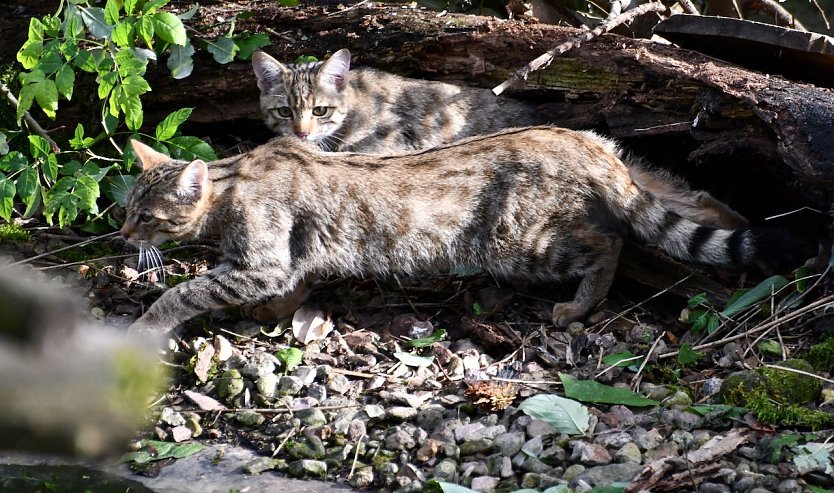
[[160, 263]]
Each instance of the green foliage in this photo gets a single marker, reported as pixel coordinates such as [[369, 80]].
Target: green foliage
[[821, 356], [154, 450], [13, 232], [436, 336], [687, 357], [111, 42], [591, 391], [290, 357]]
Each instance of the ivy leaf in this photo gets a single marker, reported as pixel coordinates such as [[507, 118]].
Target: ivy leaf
[[36, 29], [50, 63], [168, 126], [27, 186], [30, 53], [93, 18], [7, 191], [152, 5], [169, 28], [4, 144], [65, 80], [291, 357], [93, 170], [13, 162], [222, 49], [50, 167], [130, 6], [78, 141], [248, 43], [180, 62], [687, 356], [106, 83], [85, 61]]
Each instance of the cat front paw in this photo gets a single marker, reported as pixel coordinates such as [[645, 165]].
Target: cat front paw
[[148, 325], [565, 313]]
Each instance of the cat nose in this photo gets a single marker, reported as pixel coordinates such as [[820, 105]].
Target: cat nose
[[126, 231], [301, 135]]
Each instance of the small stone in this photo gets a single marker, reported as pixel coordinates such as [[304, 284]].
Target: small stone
[[357, 429], [171, 417], [533, 446], [590, 454], [476, 446], [308, 468], [789, 486], [222, 348], [682, 419], [411, 478], [484, 484], [575, 328], [363, 477], [539, 428], [323, 371], [193, 424], [311, 417], [289, 385], [374, 411], [299, 403], [307, 374], [399, 440], [259, 364], [656, 392], [508, 444], [553, 455], [400, 414], [317, 391], [572, 472], [678, 400], [750, 453], [745, 483], [338, 383], [463, 433], [446, 470], [646, 439], [613, 440], [260, 465], [490, 432], [665, 449], [683, 438], [711, 387], [180, 433], [429, 418], [607, 475], [249, 419], [310, 448], [628, 453], [714, 488], [266, 385], [229, 384], [533, 464]]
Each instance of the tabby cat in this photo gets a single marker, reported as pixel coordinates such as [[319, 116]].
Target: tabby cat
[[541, 203], [366, 110]]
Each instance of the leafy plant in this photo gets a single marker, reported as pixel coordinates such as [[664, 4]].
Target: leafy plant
[[687, 357], [111, 42], [591, 391], [566, 415], [290, 357]]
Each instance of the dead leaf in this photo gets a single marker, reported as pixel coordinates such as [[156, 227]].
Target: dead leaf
[[310, 325], [204, 362], [204, 402]]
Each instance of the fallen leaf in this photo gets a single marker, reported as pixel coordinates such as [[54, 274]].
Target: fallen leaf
[[204, 362], [310, 325], [409, 359], [565, 415], [204, 402]]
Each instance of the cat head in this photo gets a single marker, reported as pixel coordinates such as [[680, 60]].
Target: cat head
[[169, 199], [308, 100]]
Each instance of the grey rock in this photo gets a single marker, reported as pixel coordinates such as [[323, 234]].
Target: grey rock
[[476, 446], [572, 472], [629, 453], [613, 440], [532, 464], [420, 435], [249, 418], [710, 388], [399, 440], [508, 444], [323, 371], [463, 433], [388, 473], [363, 477], [410, 476], [682, 419], [714, 488], [521, 423], [539, 428], [171, 417], [311, 448], [290, 385], [429, 418], [760, 490], [317, 391], [260, 465], [609, 474], [311, 417], [299, 403], [789, 486], [473, 468], [338, 383], [307, 468], [399, 414], [646, 439], [357, 429], [374, 411], [665, 449], [678, 400], [533, 446], [229, 384], [553, 455], [485, 484], [506, 470], [684, 439], [259, 364], [745, 484], [590, 454], [490, 432], [446, 470], [656, 392], [307, 374], [267, 384], [750, 453]]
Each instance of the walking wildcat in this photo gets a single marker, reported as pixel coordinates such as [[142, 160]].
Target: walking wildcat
[[541, 204]]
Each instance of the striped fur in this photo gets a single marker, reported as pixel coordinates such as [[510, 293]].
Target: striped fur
[[538, 204]]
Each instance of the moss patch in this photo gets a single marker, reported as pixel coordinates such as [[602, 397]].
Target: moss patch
[[821, 356], [13, 232]]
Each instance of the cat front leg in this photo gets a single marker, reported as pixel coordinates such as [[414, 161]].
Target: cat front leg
[[221, 287]]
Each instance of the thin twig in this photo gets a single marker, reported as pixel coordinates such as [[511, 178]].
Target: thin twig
[[608, 322], [607, 25], [688, 7], [34, 125], [268, 409], [284, 441], [635, 381], [355, 456], [52, 252], [800, 372]]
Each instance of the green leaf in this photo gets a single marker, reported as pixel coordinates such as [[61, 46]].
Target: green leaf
[[130, 64], [25, 99], [38, 146], [169, 28], [169, 125], [699, 299], [52, 25], [111, 12], [154, 450], [762, 291], [50, 167], [306, 59], [87, 191], [36, 29], [132, 108], [106, 83], [289, 3], [117, 187], [687, 356], [248, 43], [30, 53], [85, 61], [130, 6], [190, 148], [65, 80], [771, 347], [13, 162], [28, 188], [724, 409], [93, 170], [4, 144], [779, 443], [565, 415], [436, 336], [476, 309], [450, 487], [222, 49], [291, 357], [135, 85], [151, 5], [409, 359], [145, 29], [618, 359], [93, 18], [123, 34], [188, 14], [78, 141], [713, 322], [50, 63], [180, 61], [803, 281], [69, 168], [591, 391], [7, 192]]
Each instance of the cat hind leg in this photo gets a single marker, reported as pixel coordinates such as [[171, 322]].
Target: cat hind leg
[[593, 287]]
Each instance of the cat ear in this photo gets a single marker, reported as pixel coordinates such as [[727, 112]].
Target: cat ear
[[335, 69], [148, 157], [193, 181], [267, 70]]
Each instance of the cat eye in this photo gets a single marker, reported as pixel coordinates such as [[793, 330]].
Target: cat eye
[[145, 217], [284, 111], [320, 110]]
